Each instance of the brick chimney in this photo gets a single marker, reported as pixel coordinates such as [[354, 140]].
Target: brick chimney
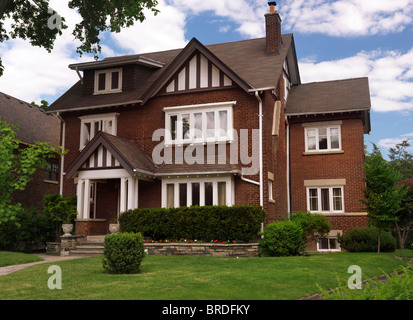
[[273, 29]]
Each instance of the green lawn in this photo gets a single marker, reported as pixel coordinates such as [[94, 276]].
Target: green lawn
[[10, 258], [194, 277]]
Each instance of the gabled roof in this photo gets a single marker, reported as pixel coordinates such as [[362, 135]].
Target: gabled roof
[[33, 123], [245, 62], [129, 156]]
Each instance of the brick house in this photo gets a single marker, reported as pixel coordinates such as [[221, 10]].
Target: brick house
[[224, 124], [33, 125]]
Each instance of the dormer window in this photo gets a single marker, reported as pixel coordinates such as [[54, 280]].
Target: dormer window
[[108, 81]]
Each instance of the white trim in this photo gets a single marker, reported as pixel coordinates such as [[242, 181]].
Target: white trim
[[229, 198], [317, 134], [91, 119], [330, 194], [189, 112], [108, 81], [329, 250], [103, 174]]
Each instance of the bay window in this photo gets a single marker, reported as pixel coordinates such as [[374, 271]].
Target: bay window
[[199, 123], [177, 192]]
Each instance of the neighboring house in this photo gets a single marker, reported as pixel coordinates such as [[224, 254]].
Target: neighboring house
[[34, 125], [237, 128]]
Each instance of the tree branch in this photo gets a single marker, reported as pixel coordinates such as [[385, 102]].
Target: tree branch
[[3, 6]]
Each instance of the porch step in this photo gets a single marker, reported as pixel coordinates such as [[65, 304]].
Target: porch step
[[94, 245]]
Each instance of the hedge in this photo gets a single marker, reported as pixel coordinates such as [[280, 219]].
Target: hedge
[[198, 223], [360, 239]]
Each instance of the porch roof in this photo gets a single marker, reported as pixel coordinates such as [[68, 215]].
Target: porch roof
[[129, 156]]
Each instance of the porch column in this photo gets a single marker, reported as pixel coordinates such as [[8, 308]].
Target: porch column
[[79, 194], [123, 194], [131, 193], [86, 200], [136, 194]]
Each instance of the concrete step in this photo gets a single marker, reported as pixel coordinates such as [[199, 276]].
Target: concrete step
[[95, 239]]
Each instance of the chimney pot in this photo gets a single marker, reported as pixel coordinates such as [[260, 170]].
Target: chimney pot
[[272, 5]]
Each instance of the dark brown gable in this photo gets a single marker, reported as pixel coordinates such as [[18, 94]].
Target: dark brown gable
[[197, 73]]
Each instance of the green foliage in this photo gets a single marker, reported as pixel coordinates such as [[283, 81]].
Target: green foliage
[[33, 229], [17, 165], [197, 223], [398, 286], [315, 226], [123, 253], [382, 198], [59, 210], [360, 239], [284, 238], [401, 159], [36, 22]]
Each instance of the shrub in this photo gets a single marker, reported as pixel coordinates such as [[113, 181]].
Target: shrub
[[284, 238], [315, 226], [123, 252], [201, 223], [360, 239], [29, 230]]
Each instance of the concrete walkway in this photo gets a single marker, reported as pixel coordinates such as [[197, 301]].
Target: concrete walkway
[[47, 259]]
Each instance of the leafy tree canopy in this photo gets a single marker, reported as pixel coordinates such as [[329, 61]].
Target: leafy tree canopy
[[37, 22]]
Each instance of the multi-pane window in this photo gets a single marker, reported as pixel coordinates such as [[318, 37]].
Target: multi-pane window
[[322, 139], [108, 81], [325, 199], [203, 192], [198, 124], [91, 125], [328, 244], [52, 171]]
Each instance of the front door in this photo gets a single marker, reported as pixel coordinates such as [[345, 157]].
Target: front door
[[107, 197]]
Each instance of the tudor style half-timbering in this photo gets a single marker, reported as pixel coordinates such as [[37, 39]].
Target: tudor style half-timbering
[[224, 124]]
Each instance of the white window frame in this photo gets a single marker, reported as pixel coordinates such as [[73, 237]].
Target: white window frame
[[329, 250], [230, 197], [270, 190], [92, 119], [328, 130], [330, 195], [108, 81], [190, 110]]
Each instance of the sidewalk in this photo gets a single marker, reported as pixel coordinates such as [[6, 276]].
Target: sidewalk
[[47, 259]]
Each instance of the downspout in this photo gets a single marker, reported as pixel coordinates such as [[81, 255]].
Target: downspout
[[288, 169], [62, 158], [260, 147], [257, 95]]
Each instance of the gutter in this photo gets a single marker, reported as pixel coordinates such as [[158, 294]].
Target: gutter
[[257, 95]]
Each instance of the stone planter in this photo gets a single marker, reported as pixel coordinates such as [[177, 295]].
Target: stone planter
[[67, 229], [114, 227]]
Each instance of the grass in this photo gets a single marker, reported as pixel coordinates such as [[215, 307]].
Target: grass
[[11, 258], [195, 277]]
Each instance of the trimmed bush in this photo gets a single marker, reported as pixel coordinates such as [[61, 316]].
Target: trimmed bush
[[202, 223], [284, 238], [360, 239], [123, 252]]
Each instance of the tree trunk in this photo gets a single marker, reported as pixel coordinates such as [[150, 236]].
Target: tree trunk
[[3, 6], [378, 242]]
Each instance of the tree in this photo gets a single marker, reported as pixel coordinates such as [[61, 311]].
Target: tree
[[17, 165], [43, 104], [404, 222], [382, 197], [37, 22], [401, 159]]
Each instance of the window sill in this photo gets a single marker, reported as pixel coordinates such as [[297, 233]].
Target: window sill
[[106, 92], [313, 153], [200, 143], [271, 200], [51, 181]]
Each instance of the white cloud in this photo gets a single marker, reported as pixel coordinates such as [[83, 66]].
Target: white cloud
[[161, 32], [347, 17], [391, 142], [389, 73]]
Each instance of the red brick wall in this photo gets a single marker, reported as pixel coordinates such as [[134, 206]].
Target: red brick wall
[[347, 165]]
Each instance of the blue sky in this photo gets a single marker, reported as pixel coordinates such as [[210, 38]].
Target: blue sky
[[334, 40]]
